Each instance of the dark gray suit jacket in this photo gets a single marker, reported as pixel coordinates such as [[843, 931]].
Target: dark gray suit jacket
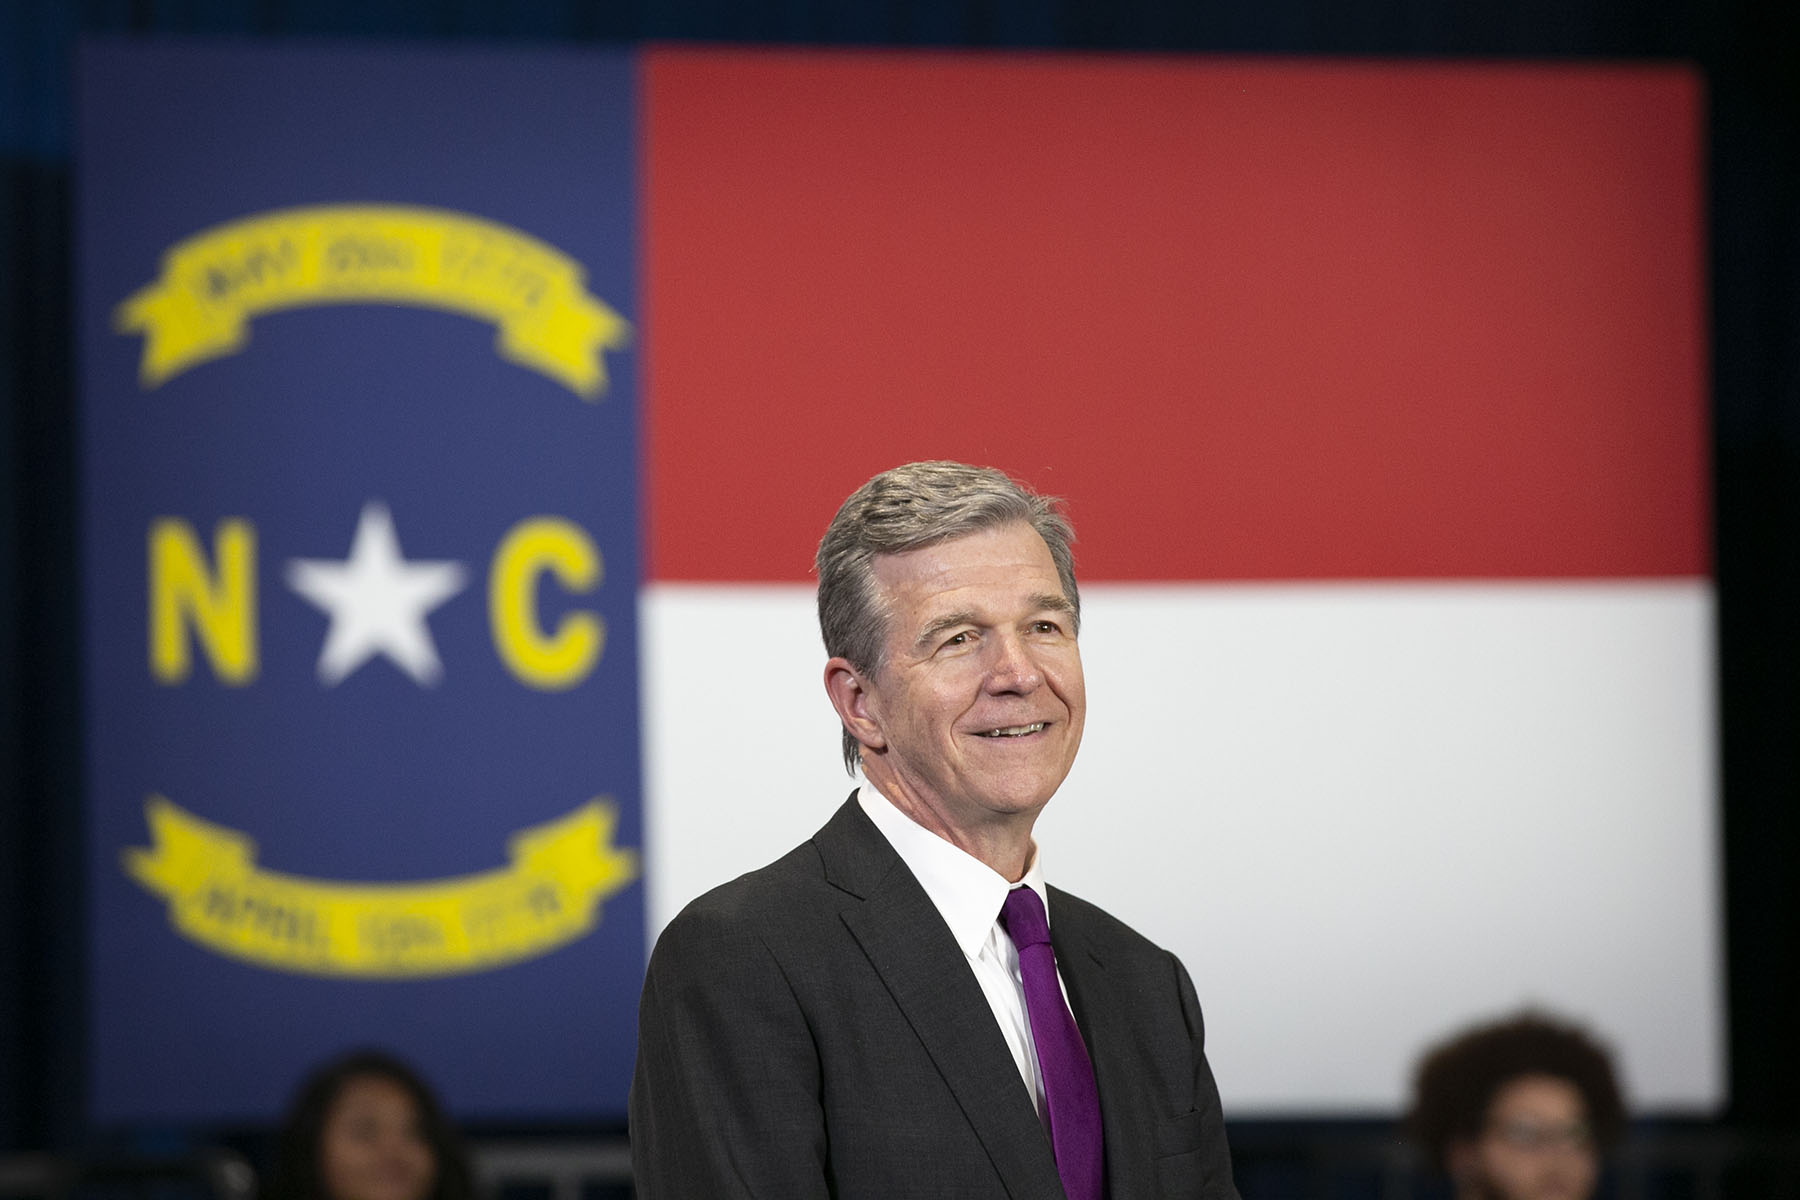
[[812, 1030]]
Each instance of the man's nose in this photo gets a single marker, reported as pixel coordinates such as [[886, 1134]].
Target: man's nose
[[1013, 669]]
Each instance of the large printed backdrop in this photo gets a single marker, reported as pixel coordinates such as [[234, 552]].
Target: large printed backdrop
[[1376, 392], [362, 522]]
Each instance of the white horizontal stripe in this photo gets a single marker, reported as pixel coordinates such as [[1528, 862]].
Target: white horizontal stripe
[[1385, 809]]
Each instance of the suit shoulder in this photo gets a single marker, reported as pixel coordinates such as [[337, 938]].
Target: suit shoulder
[[777, 892], [1101, 927]]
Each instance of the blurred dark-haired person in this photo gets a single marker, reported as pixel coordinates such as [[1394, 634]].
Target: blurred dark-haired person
[[366, 1127], [1521, 1109]]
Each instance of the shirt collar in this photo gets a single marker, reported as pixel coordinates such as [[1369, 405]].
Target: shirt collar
[[967, 892]]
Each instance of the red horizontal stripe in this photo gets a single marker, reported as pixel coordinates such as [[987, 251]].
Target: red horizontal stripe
[[1256, 320]]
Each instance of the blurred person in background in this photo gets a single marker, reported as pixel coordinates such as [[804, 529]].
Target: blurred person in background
[[366, 1127], [1521, 1109]]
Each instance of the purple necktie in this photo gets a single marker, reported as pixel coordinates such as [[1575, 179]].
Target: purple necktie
[[1068, 1075]]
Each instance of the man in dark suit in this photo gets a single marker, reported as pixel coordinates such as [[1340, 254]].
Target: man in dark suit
[[882, 1013]]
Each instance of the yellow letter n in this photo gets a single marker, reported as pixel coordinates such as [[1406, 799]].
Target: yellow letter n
[[220, 607]]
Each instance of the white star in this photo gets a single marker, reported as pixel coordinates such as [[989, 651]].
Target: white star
[[377, 601]]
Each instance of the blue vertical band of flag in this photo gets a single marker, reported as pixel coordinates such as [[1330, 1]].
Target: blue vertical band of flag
[[330, 415]]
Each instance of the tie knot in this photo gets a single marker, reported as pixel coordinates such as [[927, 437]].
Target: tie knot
[[1022, 916]]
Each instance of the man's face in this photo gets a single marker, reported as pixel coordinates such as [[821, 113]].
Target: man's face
[[1536, 1145], [978, 707]]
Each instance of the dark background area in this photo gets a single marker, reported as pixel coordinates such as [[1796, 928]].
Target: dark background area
[[1744, 49]]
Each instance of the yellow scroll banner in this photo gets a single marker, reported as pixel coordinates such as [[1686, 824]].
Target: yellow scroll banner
[[548, 897], [214, 282]]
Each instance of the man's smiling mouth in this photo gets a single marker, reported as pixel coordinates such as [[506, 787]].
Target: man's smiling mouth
[[1012, 731]]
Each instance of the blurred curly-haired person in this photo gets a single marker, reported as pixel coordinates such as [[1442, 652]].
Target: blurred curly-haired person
[[1521, 1109]]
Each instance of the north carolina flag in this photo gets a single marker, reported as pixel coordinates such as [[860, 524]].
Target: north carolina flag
[[1377, 392], [488, 405]]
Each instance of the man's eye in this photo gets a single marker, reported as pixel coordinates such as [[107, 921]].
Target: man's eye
[[1045, 627], [957, 639]]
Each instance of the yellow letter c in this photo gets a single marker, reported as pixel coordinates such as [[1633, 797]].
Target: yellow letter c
[[549, 661]]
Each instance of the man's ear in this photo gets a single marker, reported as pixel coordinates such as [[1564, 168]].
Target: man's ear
[[849, 692]]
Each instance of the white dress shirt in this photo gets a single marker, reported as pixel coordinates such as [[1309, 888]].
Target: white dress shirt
[[969, 893]]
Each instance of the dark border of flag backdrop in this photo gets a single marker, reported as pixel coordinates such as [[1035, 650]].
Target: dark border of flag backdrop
[[360, 538]]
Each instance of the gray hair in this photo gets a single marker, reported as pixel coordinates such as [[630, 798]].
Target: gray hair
[[919, 504]]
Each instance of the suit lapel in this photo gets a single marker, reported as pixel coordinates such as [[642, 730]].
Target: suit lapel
[[1100, 1013], [911, 949]]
